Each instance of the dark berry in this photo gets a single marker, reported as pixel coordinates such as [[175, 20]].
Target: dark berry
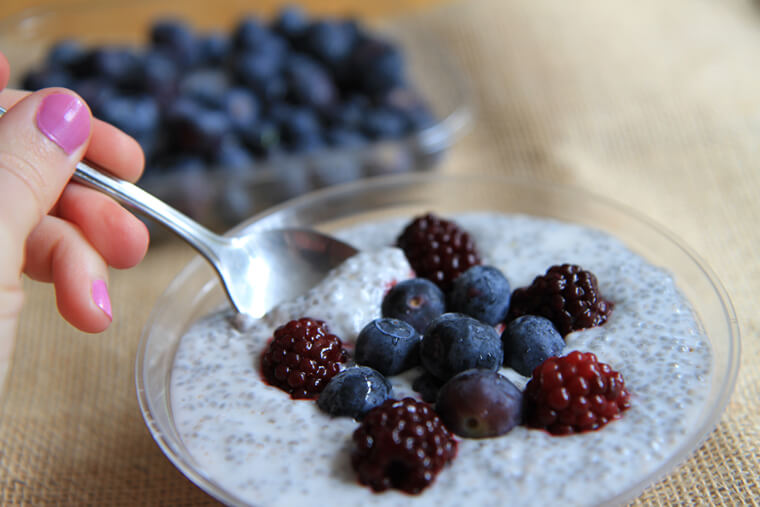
[[119, 65], [574, 394], [529, 341], [382, 123], [309, 83], [344, 138], [46, 77], [196, 129], [482, 292], [377, 65], [388, 345], [302, 357], [255, 69], [417, 301], [330, 41], [177, 38], [135, 115], [567, 295], [354, 392], [479, 404], [438, 249], [401, 445], [208, 87], [427, 386], [454, 342], [291, 22], [214, 48], [65, 54], [233, 156]]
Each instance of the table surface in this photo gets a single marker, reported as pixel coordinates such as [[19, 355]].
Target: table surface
[[654, 103]]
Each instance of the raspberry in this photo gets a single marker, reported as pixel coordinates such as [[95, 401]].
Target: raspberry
[[402, 445], [574, 394], [438, 249], [567, 295], [302, 357]]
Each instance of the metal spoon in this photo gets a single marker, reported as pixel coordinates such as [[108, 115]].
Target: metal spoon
[[257, 269]]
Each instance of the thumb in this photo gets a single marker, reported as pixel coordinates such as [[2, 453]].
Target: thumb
[[42, 137]]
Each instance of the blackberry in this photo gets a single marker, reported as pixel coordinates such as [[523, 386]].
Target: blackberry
[[302, 357], [567, 295], [401, 445], [574, 394], [438, 249]]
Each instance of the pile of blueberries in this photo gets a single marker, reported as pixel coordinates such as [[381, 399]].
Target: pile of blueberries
[[292, 85], [452, 336]]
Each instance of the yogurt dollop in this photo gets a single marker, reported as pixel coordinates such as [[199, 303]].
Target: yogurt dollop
[[269, 450]]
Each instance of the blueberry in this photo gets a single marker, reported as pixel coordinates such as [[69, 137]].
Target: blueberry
[[254, 69], [479, 404], [214, 48], [207, 86], [482, 292], [298, 124], [177, 38], [309, 83], [354, 392], [427, 386], [383, 123], [454, 342], [160, 74], [233, 156], [263, 139], [65, 54], [46, 77], [388, 345], [135, 115], [347, 114], [250, 33], [310, 143], [120, 65], [417, 301], [529, 341], [378, 66], [344, 138], [196, 129], [330, 41], [415, 112], [291, 22], [242, 108]]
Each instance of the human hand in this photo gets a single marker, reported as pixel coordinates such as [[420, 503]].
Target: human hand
[[53, 230]]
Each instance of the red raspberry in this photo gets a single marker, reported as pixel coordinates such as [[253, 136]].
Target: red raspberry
[[437, 249], [402, 445], [574, 394], [302, 357], [567, 295]]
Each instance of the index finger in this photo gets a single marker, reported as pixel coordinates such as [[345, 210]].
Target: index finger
[[110, 148]]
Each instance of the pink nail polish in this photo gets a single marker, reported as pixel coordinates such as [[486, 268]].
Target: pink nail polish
[[100, 297], [65, 120]]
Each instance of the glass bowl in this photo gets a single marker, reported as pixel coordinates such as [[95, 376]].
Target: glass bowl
[[195, 291], [220, 197]]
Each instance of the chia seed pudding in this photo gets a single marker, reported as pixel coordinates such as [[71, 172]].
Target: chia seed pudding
[[270, 450]]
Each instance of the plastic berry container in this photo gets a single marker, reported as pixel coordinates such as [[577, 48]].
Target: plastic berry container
[[195, 292], [221, 196]]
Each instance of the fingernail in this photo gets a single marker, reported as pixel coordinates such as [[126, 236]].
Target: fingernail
[[100, 297], [65, 120]]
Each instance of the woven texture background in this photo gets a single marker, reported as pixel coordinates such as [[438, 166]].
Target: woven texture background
[[655, 103]]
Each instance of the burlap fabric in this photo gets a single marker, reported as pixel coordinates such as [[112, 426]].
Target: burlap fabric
[[655, 103]]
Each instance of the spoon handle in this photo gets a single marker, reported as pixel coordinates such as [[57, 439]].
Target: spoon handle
[[199, 237]]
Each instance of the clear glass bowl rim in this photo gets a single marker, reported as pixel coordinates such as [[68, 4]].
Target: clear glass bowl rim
[[420, 182]]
